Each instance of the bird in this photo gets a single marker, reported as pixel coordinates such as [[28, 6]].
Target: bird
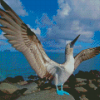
[[24, 40]]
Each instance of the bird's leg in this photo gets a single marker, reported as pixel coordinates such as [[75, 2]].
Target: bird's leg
[[61, 87], [59, 92], [64, 92]]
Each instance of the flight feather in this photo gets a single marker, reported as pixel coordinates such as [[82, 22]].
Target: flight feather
[[85, 55], [24, 40]]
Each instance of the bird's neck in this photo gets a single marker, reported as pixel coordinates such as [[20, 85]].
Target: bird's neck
[[69, 58], [69, 64], [69, 55]]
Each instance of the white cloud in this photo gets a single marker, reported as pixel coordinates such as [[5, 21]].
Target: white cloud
[[69, 26], [36, 31], [77, 29], [69, 30], [45, 20], [2, 36], [17, 6], [58, 50], [87, 8], [64, 8], [78, 47], [3, 43], [73, 17], [68, 41]]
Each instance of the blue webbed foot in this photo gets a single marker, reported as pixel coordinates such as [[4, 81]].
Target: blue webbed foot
[[66, 93], [60, 92]]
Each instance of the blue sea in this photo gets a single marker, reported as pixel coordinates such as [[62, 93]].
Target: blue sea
[[14, 63]]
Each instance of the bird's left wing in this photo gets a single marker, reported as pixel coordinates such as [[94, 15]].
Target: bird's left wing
[[25, 41], [85, 55]]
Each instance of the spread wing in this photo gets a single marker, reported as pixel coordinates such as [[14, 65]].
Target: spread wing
[[25, 41], [85, 55]]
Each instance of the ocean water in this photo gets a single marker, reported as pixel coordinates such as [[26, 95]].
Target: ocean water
[[14, 63]]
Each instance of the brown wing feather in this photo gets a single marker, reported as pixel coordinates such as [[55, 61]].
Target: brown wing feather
[[85, 55], [24, 40]]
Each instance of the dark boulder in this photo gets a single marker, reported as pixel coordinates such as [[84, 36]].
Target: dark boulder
[[33, 77], [18, 79], [13, 96], [9, 80], [71, 81], [14, 80]]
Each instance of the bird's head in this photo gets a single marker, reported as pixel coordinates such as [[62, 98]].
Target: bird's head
[[70, 45]]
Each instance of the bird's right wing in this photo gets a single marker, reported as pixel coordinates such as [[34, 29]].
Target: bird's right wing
[[85, 55], [24, 40]]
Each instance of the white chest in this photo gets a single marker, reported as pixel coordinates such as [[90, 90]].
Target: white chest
[[69, 66]]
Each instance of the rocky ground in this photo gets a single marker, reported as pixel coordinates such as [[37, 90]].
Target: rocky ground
[[82, 86]]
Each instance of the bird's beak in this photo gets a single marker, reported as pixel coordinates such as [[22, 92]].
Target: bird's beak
[[73, 42]]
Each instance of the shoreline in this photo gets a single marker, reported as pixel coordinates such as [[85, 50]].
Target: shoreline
[[79, 86]]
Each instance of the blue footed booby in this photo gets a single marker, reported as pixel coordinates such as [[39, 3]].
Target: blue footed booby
[[24, 40]]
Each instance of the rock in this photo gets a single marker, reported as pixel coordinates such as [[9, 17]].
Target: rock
[[71, 78], [79, 80], [18, 79], [84, 98], [14, 80], [2, 93], [91, 85], [92, 95], [98, 80], [93, 80], [8, 88], [73, 92], [33, 77], [46, 95], [80, 84], [83, 95], [30, 81], [71, 81], [80, 89], [14, 95], [46, 86], [9, 80], [66, 86], [95, 74], [41, 82], [82, 74], [22, 83], [32, 87], [98, 85], [98, 91]]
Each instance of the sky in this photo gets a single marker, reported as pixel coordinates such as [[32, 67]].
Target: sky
[[56, 22]]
